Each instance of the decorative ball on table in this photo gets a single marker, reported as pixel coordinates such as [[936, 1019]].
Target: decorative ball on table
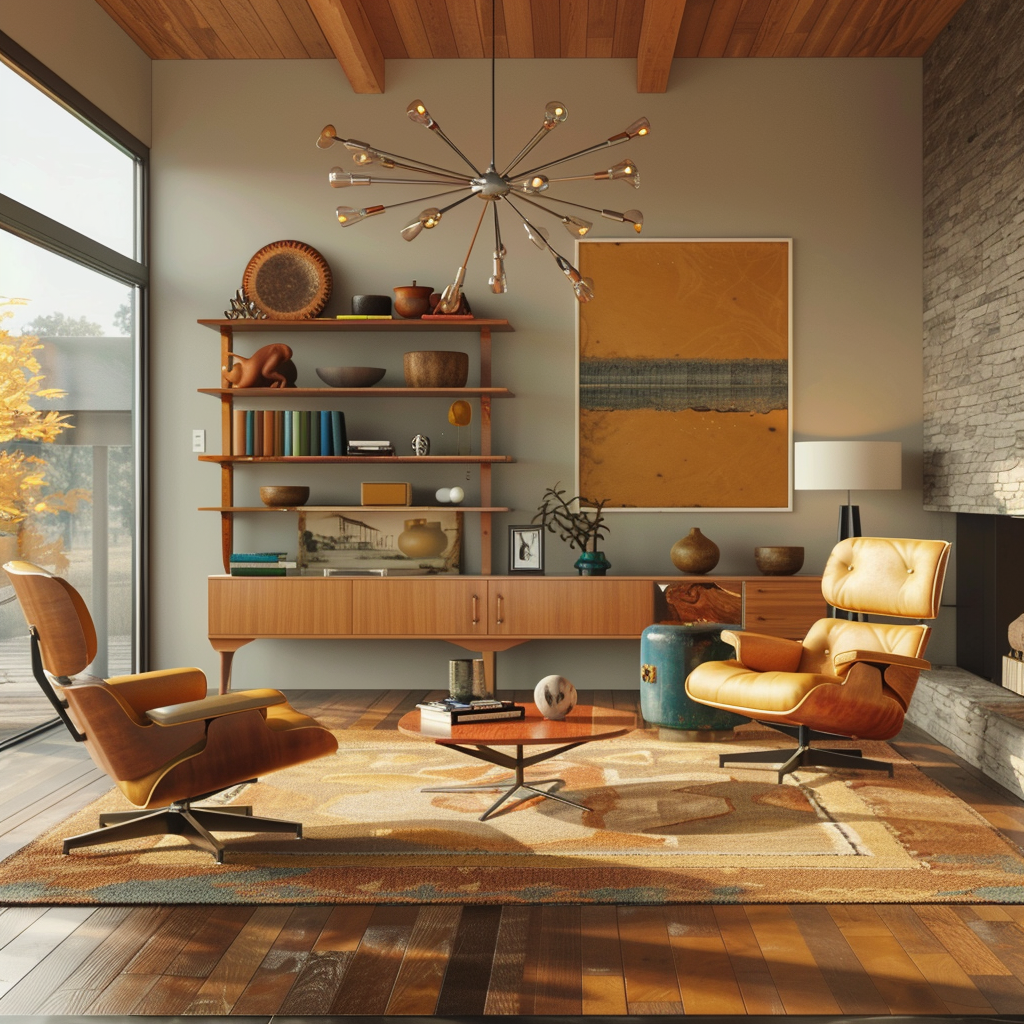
[[555, 697]]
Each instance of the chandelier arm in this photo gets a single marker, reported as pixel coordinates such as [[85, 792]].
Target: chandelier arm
[[444, 175], [461, 182], [555, 199], [458, 202], [541, 132], [435, 127], [423, 199], [476, 232], [553, 213], [421, 165], [497, 228], [572, 156], [523, 218]]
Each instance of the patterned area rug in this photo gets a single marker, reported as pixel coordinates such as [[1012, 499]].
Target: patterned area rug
[[665, 825]]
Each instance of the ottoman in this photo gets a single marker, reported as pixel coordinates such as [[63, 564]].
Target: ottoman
[[668, 654]]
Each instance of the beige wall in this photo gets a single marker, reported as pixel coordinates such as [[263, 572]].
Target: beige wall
[[77, 40], [825, 151]]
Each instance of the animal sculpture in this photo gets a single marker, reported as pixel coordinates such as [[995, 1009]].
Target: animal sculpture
[[268, 367]]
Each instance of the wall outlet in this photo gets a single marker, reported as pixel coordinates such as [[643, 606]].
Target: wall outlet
[[199, 440]]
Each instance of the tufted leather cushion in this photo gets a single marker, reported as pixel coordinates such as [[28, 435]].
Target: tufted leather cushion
[[886, 576]]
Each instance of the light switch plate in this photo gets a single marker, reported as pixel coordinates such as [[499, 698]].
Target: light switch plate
[[199, 440]]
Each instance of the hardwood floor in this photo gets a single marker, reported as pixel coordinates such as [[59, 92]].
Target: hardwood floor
[[550, 960]]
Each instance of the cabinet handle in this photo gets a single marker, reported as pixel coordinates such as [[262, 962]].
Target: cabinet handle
[[500, 618], [476, 610]]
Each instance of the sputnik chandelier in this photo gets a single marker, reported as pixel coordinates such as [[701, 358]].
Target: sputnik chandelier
[[491, 186]]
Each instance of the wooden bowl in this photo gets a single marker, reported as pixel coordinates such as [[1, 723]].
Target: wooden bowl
[[779, 561], [350, 376], [284, 496], [436, 369]]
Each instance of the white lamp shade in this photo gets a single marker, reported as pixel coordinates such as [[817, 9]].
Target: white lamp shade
[[847, 465]]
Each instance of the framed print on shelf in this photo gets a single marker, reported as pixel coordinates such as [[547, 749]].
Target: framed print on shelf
[[526, 549], [685, 374]]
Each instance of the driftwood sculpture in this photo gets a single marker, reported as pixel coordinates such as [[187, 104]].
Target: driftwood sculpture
[[268, 367]]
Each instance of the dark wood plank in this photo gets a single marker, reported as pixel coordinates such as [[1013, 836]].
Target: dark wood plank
[[757, 987], [961, 941], [604, 984], [200, 953], [647, 961], [1004, 992], [426, 959], [168, 940], [464, 990], [169, 996], [367, 984], [559, 990], [509, 964]]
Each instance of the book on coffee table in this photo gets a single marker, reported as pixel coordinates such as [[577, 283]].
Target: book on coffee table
[[453, 713]]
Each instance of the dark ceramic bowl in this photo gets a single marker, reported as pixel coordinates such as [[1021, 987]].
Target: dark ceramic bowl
[[284, 496], [779, 561], [350, 376], [371, 305]]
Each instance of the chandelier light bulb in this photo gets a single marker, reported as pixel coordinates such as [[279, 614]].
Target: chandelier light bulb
[[636, 218], [430, 217], [418, 112], [584, 289], [497, 282], [639, 127], [410, 231], [348, 216], [328, 137], [532, 185], [342, 179], [539, 236], [625, 171], [554, 114], [576, 226]]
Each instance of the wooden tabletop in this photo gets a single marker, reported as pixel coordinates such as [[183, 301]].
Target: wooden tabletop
[[583, 724]]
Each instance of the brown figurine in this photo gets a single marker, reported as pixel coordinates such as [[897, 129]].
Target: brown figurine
[[268, 367]]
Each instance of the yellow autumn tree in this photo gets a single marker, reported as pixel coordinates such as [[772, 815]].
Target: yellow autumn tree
[[23, 489]]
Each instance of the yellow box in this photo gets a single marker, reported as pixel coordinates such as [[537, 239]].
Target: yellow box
[[385, 493]]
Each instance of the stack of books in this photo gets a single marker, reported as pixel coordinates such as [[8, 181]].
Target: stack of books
[[260, 563], [453, 712], [371, 448], [270, 433]]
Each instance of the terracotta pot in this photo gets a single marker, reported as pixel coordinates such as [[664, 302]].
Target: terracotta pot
[[422, 539], [412, 300], [436, 369], [695, 554]]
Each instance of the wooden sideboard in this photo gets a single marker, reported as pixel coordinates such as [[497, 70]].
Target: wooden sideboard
[[493, 613]]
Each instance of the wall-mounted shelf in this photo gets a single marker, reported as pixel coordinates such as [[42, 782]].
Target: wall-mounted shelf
[[354, 508], [483, 394]]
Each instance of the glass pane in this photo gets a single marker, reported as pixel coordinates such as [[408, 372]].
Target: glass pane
[[63, 168], [67, 497]]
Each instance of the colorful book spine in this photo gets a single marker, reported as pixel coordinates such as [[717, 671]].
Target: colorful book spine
[[286, 443], [250, 432], [270, 570], [257, 434], [258, 556], [269, 443], [339, 438], [238, 432], [314, 433], [326, 433], [278, 432], [295, 432], [303, 432]]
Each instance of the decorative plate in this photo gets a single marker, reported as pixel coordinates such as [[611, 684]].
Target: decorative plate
[[288, 280]]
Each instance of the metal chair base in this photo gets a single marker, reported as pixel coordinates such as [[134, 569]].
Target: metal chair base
[[806, 756], [180, 819]]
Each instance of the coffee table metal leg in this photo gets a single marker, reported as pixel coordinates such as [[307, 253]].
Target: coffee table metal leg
[[519, 764]]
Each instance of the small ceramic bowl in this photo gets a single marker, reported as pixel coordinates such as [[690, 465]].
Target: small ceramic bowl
[[779, 561], [350, 376], [284, 496], [371, 305]]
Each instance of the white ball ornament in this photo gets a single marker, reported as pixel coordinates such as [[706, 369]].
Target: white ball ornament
[[555, 697], [455, 495], [443, 495]]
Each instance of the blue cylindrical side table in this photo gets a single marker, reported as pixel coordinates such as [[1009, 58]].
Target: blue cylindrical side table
[[668, 654]]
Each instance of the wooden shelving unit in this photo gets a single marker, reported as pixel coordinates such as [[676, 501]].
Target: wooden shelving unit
[[484, 393]]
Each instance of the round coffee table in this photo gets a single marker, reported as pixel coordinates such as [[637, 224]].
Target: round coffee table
[[584, 724]]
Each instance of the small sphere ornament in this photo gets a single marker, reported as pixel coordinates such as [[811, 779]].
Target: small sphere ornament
[[555, 697]]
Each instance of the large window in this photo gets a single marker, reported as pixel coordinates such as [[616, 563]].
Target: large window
[[72, 302]]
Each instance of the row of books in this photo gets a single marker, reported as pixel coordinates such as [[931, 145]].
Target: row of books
[[452, 712], [260, 563], [288, 432]]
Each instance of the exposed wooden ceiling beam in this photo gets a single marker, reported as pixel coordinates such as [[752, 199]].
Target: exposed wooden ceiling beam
[[658, 35], [347, 30]]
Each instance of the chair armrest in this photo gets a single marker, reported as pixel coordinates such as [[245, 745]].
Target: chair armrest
[[157, 689], [215, 707], [845, 660], [764, 653]]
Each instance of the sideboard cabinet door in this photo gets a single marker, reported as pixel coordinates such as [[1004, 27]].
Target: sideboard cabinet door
[[291, 606], [785, 607], [573, 607], [430, 606]]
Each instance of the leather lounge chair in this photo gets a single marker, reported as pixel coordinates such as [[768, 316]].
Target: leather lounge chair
[[848, 678], [156, 734]]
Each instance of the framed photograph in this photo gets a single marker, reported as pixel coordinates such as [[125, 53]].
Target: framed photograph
[[382, 542], [685, 374], [526, 549]]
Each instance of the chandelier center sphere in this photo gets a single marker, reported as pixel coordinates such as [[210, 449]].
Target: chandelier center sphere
[[491, 185]]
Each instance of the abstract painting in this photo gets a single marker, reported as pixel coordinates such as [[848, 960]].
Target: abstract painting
[[684, 361]]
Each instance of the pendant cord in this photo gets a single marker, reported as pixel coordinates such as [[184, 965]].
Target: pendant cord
[[493, 6]]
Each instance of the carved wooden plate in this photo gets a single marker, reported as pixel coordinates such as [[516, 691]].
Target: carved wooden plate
[[288, 280]]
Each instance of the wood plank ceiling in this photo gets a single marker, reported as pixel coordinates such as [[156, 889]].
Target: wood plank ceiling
[[362, 34]]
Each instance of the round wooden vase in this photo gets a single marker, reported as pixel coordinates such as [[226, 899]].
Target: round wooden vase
[[554, 696], [422, 539], [695, 554]]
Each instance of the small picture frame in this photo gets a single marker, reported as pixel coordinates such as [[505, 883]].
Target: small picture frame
[[526, 549]]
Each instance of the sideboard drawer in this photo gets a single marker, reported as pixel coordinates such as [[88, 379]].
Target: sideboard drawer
[[784, 607], [293, 606]]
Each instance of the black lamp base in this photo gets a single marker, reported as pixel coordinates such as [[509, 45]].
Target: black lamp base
[[849, 521]]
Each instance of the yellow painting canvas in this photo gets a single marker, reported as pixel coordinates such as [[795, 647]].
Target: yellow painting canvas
[[684, 374]]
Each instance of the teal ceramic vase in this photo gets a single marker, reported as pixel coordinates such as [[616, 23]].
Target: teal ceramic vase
[[592, 563], [668, 654]]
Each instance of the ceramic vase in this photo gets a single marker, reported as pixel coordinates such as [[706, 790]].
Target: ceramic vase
[[592, 563], [695, 554], [422, 539], [554, 696]]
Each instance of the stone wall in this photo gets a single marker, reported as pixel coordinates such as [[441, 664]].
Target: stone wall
[[974, 262]]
